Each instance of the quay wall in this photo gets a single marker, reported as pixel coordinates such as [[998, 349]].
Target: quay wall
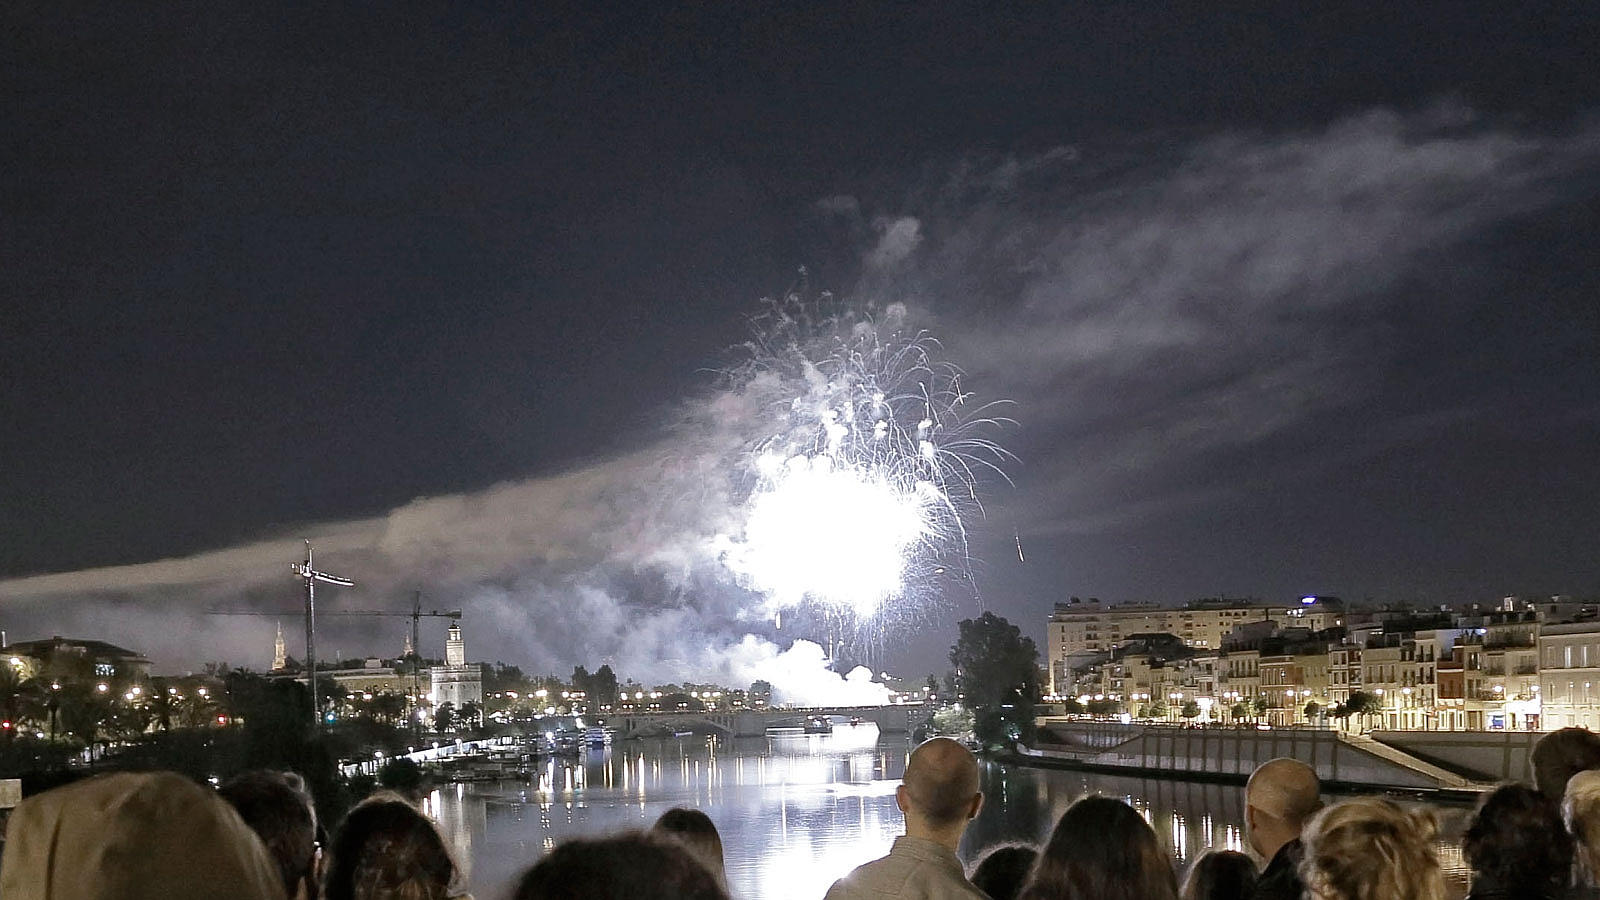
[[1479, 755], [1232, 754]]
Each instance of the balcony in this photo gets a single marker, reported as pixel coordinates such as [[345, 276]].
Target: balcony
[[1528, 669]]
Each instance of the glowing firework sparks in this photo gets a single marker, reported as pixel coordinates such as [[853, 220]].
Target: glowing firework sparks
[[859, 492]]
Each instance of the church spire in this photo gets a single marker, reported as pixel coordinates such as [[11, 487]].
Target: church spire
[[280, 653]]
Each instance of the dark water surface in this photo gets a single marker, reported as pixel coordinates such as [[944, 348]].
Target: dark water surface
[[797, 812]]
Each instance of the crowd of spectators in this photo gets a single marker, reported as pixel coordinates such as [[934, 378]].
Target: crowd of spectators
[[257, 837]]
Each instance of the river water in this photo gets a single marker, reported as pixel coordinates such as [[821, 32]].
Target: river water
[[797, 812]]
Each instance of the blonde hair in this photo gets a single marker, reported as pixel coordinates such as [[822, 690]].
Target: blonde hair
[[1580, 810], [1372, 849]]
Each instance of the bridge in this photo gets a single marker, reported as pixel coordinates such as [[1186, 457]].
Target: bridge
[[898, 719]]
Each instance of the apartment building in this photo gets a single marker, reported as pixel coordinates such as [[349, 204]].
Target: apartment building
[[1079, 629], [1569, 675]]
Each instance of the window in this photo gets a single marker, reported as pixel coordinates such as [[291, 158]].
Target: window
[[105, 669]]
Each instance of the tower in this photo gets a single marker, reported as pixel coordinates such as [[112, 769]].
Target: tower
[[280, 653], [457, 682], [410, 650], [455, 650]]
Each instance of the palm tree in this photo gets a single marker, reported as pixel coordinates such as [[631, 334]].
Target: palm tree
[[83, 711], [162, 703], [196, 710]]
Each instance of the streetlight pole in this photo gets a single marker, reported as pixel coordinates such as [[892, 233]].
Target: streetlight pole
[[308, 572]]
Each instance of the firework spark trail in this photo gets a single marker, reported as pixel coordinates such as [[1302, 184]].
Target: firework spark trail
[[857, 498]]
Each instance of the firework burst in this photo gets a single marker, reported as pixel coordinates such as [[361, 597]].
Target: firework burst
[[858, 496]]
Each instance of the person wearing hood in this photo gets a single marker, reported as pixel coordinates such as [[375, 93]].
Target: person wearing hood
[[134, 836]]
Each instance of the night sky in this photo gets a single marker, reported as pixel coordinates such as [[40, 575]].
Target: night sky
[[1299, 301]]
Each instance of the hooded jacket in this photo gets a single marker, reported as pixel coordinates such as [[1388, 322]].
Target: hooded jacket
[[132, 836]]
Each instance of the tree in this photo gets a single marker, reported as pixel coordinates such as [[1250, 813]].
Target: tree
[[196, 710], [1259, 705], [388, 707], [1312, 710], [12, 699], [1361, 703], [933, 687], [997, 664], [471, 716], [999, 671], [1155, 709], [444, 718], [1072, 707], [1239, 711], [953, 720], [403, 776], [761, 688], [1107, 707], [603, 686], [1189, 710]]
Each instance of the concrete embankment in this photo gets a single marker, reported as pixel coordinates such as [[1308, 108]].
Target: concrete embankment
[[1342, 761]]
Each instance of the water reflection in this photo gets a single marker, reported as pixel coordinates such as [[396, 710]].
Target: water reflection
[[797, 812]]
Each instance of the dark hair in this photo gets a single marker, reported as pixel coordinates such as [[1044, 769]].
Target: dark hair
[[1102, 850], [278, 809], [1220, 875], [1560, 755], [1002, 870], [620, 867], [696, 830], [386, 848], [1516, 839]]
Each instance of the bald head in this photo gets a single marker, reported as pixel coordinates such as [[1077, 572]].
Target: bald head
[[1285, 789], [941, 783]]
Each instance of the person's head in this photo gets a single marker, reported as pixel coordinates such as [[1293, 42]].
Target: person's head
[[1280, 797], [620, 867], [1102, 850], [1220, 875], [1371, 849], [939, 794], [1560, 755], [278, 809], [696, 830], [1003, 870], [145, 834], [1516, 838], [1580, 811], [387, 850]]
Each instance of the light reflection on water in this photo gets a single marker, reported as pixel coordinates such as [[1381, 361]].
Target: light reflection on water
[[797, 812]]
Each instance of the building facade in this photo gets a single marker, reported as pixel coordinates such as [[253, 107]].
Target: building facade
[[1079, 630], [1569, 675]]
